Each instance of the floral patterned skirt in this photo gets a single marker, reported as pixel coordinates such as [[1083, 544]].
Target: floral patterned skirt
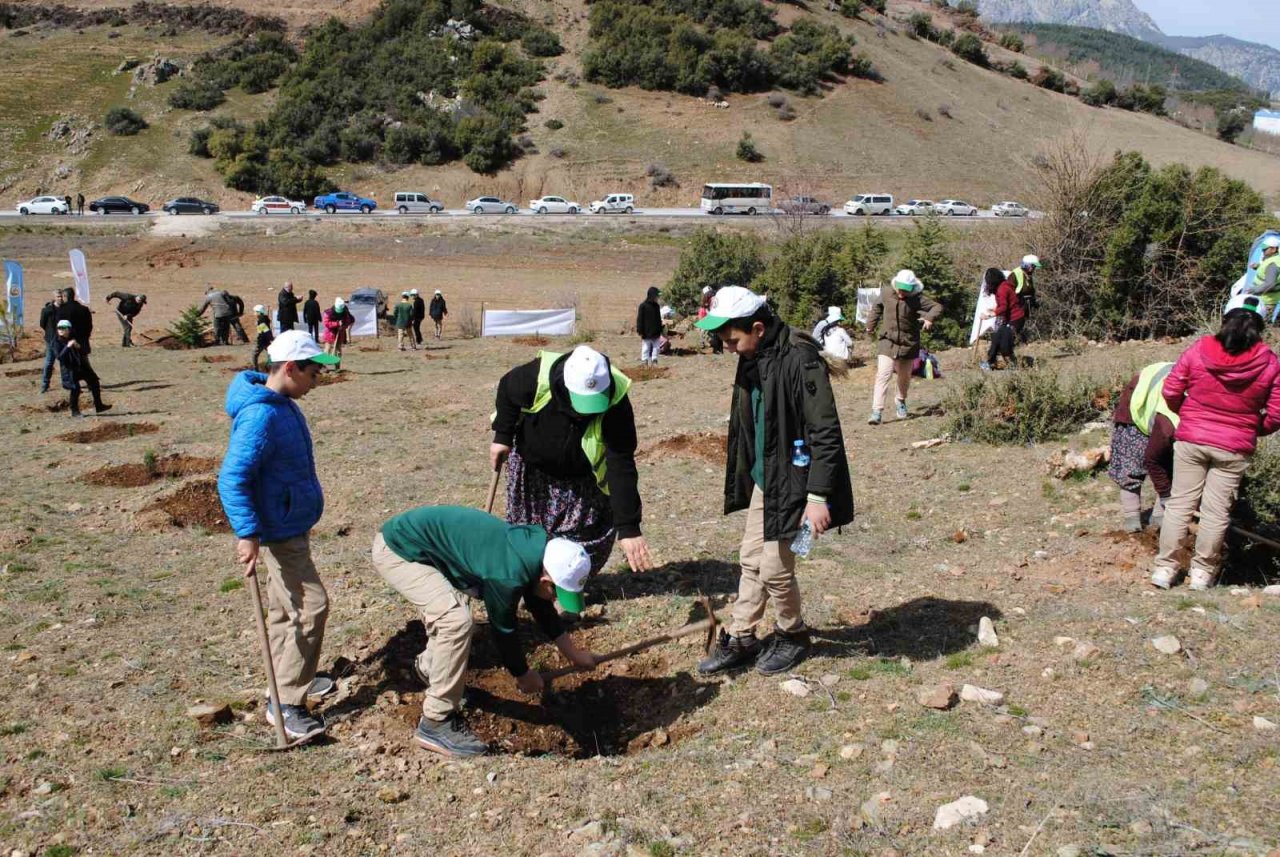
[[566, 507], [1128, 450]]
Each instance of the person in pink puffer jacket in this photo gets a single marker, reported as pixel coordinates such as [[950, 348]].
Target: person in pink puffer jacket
[[1225, 390]]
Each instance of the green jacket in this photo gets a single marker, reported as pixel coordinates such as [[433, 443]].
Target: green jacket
[[402, 316], [798, 405], [476, 551]]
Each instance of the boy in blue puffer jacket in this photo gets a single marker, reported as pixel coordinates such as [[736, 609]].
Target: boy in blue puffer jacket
[[272, 498]]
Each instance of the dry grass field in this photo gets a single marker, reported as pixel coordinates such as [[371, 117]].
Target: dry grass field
[[120, 607]]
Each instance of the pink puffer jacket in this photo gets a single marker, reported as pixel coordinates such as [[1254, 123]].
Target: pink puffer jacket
[[1221, 398]]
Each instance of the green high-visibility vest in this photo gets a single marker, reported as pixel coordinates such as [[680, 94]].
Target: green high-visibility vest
[[593, 438], [1020, 279], [1148, 398], [1271, 298]]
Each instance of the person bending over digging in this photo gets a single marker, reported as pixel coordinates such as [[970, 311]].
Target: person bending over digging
[[1142, 445], [272, 498], [786, 465], [431, 555]]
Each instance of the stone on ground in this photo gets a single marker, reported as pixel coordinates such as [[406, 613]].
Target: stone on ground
[[987, 632], [1167, 644], [958, 811], [795, 687], [940, 697], [973, 693], [210, 715]]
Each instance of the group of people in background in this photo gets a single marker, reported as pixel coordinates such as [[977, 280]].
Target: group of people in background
[[407, 317], [67, 326]]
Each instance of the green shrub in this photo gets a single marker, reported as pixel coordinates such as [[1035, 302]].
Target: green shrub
[[809, 54], [1101, 94], [1258, 509], [1018, 71], [927, 252], [715, 260], [190, 328], [1231, 125], [1143, 99], [1028, 406], [196, 95], [1050, 78], [920, 24], [123, 122], [851, 8], [553, 124], [747, 150], [1012, 42], [969, 48], [822, 269], [538, 42]]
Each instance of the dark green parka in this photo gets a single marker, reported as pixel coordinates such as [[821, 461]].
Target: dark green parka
[[798, 405]]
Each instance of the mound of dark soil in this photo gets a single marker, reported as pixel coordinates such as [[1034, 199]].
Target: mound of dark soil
[[24, 373], [704, 444], [109, 431], [195, 504], [533, 341], [137, 475], [217, 358], [56, 407], [647, 373]]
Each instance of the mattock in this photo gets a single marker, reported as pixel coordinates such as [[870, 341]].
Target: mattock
[[706, 626]]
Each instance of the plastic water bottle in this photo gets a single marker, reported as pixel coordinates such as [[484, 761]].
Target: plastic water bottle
[[803, 542], [799, 455]]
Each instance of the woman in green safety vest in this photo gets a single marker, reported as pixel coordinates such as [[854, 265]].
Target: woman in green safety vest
[[564, 425], [1266, 276], [1142, 445]]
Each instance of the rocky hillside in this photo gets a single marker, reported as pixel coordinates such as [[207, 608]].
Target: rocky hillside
[[1256, 64]]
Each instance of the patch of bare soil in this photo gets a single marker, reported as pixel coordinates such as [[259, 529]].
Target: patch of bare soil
[[52, 408], [24, 373], [217, 358], [137, 475], [533, 341], [25, 351], [109, 431], [162, 339], [703, 444], [647, 373], [324, 379], [195, 504]]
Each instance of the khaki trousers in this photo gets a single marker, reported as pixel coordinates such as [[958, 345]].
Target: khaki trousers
[[447, 618], [1208, 476], [768, 574], [886, 368], [297, 607]]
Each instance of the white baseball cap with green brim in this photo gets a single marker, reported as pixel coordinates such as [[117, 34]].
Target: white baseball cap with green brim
[[729, 303], [297, 346], [1245, 301], [587, 378], [907, 281], [568, 566], [1031, 261]]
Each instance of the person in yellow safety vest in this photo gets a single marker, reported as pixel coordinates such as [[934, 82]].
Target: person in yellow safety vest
[[1024, 286], [1266, 274], [1142, 444], [563, 424]]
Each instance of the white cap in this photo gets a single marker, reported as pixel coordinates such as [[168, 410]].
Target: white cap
[[907, 281], [64, 325], [1272, 241], [296, 345], [405, 294], [568, 566], [439, 292], [1031, 261], [666, 312], [729, 303], [586, 375], [413, 291], [706, 290], [339, 303], [1246, 301], [259, 308], [834, 313]]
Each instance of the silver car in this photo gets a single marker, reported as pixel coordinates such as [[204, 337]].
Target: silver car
[[915, 208], [1009, 209], [44, 205], [491, 205], [952, 207]]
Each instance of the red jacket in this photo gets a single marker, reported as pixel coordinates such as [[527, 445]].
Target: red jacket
[[1220, 398], [336, 326], [1008, 304]]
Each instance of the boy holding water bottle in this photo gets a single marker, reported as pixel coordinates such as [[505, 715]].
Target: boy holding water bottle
[[786, 466]]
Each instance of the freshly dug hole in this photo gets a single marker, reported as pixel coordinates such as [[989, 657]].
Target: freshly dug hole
[[195, 504], [137, 475], [109, 431], [707, 445]]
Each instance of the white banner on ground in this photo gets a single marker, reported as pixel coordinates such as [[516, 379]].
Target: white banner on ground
[[513, 322], [866, 297], [986, 303], [366, 316], [80, 271]]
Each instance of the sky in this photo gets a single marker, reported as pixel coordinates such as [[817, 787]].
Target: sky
[[1244, 19]]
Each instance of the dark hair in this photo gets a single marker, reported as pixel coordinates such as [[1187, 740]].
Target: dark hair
[[762, 315], [991, 280], [68, 294], [311, 293], [1241, 330]]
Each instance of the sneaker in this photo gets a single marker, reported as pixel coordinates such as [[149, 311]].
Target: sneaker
[[1202, 580], [874, 419], [299, 724], [783, 652], [730, 653], [901, 410], [321, 686], [101, 409], [1164, 577], [449, 737], [984, 366]]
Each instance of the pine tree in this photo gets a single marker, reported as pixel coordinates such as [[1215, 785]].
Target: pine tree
[[927, 253], [190, 328]]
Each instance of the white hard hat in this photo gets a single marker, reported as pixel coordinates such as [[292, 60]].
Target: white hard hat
[[260, 309], [1272, 241], [1031, 261]]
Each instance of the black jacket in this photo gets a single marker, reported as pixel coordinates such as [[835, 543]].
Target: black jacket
[[419, 308], [286, 307], [798, 405], [49, 321], [649, 317], [81, 318], [438, 307], [311, 311], [551, 440], [237, 306], [129, 306], [70, 366]]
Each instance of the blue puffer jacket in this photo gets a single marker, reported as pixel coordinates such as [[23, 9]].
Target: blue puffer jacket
[[268, 481]]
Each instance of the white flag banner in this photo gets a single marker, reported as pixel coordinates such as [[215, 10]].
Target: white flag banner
[[514, 322], [366, 316], [80, 271], [866, 297]]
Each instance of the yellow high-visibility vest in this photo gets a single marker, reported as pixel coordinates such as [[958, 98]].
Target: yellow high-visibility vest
[[1271, 298], [1019, 279], [1148, 398]]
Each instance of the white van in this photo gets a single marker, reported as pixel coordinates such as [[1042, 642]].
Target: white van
[[411, 202], [869, 204], [614, 203]]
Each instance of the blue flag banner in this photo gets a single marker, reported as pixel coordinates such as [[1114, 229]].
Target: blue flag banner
[[13, 298]]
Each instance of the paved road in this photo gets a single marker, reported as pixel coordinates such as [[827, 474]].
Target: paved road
[[524, 214]]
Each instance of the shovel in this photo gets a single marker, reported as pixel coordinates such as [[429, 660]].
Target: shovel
[[273, 693]]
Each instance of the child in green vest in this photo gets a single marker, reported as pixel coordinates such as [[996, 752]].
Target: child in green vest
[[263, 327], [433, 554]]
